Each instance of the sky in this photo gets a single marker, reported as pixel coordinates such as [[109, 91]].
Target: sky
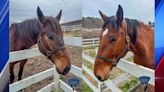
[[25, 9], [142, 10], [20, 10]]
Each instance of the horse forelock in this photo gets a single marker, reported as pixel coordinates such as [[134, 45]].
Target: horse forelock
[[54, 24], [113, 21]]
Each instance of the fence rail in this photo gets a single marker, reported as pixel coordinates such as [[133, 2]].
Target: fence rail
[[90, 42], [72, 28], [31, 80], [136, 70]]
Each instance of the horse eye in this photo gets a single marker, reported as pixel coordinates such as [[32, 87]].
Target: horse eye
[[51, 37], [113, 39]]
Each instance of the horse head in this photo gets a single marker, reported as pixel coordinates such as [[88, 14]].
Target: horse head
[[113, 44], [51, 43]]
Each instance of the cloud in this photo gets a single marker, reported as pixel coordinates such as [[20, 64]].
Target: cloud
[[139, 9], [75, 9], [25, 9]]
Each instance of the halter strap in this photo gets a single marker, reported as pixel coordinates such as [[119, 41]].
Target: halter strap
[[127, 48], [49, 53], [114, 61]]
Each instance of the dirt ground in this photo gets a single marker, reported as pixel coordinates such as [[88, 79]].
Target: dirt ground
[[41, 63], [91, 34], [76, 33]]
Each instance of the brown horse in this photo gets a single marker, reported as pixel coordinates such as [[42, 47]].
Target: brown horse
[[45, 30], [118, 36]]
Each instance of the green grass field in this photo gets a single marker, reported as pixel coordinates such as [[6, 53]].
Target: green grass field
[[130, 59], [126, 85], [85, 87]]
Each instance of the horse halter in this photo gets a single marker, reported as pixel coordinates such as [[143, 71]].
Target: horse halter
[[124, 51], [42, 47]]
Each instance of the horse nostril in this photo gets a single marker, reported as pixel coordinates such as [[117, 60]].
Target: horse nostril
[[99, 78], [66, 70]]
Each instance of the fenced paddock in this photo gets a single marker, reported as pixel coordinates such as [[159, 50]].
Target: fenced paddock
[[71, 28], [25, 54], [130, 68], [90, 42], [92, 29]]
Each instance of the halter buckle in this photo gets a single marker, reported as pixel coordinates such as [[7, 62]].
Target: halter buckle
[[127, 38], [48, 53], [114, 62], [128, 41]]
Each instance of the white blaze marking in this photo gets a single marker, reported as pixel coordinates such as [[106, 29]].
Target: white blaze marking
[[105, 32]]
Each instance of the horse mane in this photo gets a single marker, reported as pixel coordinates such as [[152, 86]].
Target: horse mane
[[28, 29], [132, 25]]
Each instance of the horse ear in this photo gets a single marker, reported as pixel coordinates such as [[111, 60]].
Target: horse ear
[[103, 16], [119, 14], [40, 15], [59, 15]]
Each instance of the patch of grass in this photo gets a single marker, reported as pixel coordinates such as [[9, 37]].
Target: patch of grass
[[90, 47], [126, 85], [130, 59], [90, 52], [75, 33], [116, 72], [85, 87], [93, 81], [87, 64], [59, 90]]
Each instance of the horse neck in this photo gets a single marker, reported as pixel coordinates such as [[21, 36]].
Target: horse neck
[[143, 48], [27, 31]]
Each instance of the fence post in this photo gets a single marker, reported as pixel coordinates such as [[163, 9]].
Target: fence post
[[96, 50], [56, 80], [99, 86], [93, 42]]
